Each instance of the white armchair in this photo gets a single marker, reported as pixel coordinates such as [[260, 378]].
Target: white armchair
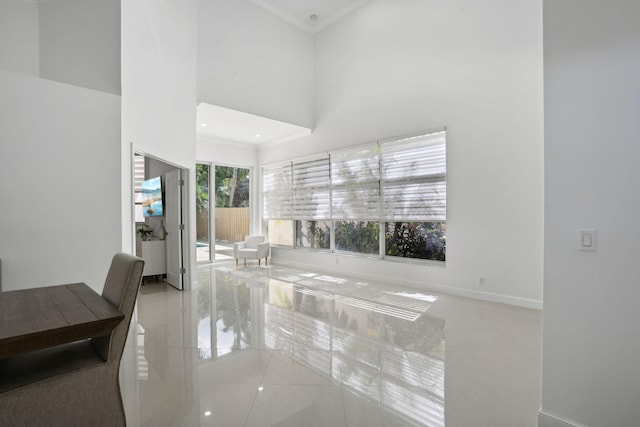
[[253, 247]]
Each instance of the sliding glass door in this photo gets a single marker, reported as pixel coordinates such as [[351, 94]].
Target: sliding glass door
[[222, 209], [203, 219], [231, 209]]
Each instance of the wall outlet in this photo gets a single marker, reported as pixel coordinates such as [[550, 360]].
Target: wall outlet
[[482, 280]]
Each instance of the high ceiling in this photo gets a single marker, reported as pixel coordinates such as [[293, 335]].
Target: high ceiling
[[230, 125], [235, 126], [310, 15]]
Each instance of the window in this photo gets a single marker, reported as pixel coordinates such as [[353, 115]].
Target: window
[[222, 210], [313, 234], [355, 184], [280, 232], [276, 196], [311, 202], [414, 178], [355, 195], [387, 199], [357, 236], [276, 202], [138, 177], [231, 214], [422, 240], [203, 232], [310, 191], [415, 196]]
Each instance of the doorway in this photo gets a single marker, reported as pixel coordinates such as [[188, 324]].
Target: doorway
[[159, 192], [222, 210]]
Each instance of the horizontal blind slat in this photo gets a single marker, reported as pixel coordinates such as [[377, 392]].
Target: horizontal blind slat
[[311, 189], [414, 178], [277, 192], [409, 174], [355, 179]]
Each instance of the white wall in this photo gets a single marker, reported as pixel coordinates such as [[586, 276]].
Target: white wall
[[80, 43], [397, 67], [227, 153], [158, 82], [159, 55], [591, 374], [59, 160], [70, 41], [19, 49], [252, 61]]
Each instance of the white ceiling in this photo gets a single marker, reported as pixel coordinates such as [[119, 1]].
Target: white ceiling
[[298, 12], [235, 126]]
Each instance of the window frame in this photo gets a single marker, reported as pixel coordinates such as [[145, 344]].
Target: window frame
[[426, 185]]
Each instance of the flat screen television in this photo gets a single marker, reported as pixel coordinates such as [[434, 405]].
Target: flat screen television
[[152, 197]]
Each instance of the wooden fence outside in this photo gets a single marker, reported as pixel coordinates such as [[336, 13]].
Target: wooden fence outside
[[232, 224]]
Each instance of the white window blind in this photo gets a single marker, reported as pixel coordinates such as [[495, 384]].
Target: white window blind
[[414, 186], [399, 180], [138, 177], [355, 184], [277, 192], [311, 185], [138, 172]]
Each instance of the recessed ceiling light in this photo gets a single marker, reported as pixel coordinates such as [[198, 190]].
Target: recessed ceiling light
[[260, 388], [258, 135], [204, 125], [207, 413]]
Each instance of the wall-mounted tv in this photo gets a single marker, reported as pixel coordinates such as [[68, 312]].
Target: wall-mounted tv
[[152, 197]]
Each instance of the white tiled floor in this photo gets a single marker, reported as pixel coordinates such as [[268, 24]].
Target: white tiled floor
[[278, 346]]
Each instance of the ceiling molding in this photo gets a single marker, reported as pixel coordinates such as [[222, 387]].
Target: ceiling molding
[[225, 142], [288, 138], [284, 15], [303, 23], [338, 15]]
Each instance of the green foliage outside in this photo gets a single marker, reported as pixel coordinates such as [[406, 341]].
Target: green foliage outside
[[313, 234], [202, 187], [357, 236], [232, 187], [423, 240]]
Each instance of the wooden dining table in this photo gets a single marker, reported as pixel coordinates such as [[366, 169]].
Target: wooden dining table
[[33, 319]]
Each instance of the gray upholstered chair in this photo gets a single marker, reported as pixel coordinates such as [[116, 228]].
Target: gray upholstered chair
[[74, 384], [253, 247]]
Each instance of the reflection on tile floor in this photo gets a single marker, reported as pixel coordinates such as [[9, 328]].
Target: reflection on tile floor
[[278, 346]]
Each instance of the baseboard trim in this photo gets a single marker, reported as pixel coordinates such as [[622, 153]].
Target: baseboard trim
[[466, 293], [549, 419]]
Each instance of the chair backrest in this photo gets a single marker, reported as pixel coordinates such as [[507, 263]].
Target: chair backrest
[[120, 289], [253, 241]]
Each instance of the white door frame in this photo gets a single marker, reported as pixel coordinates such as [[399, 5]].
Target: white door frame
[[175, 227], [186, 213]]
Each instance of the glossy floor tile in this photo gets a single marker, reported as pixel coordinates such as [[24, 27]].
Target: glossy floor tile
[[278, 346]]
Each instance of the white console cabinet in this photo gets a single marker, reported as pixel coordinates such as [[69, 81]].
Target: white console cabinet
[[154, 254]]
